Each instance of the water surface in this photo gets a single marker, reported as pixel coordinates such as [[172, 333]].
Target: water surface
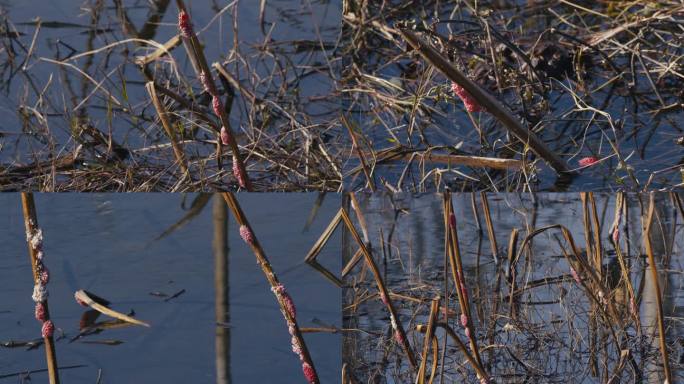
[[105, 243]]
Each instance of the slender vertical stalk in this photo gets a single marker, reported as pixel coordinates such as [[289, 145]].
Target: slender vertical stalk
[[490, 227], [427, 341], [34, 240], [454, 255], [598, 247], [592, 321], [203, 72], [658, 293], [222, 300], [168, 128]]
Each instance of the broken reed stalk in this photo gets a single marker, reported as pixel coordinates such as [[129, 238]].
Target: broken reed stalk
[[318, 246], [399, 153], [428, 341], [659, 300], [203, 72], [486, 100], [284, 300], [398, 328], [34, 239], [352, 262], [84, 299], [168, 127], [490, 227], [473, 161], [454, 257]]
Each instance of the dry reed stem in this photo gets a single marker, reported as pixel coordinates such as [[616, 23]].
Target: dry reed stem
[[659, 300], [352, 262], [633, 306], [84, 299], [591, 252], [318, 247], [428, 341], [598, 248], [490, 227], [272, 279], [454, 257], [492, 105], [397, 326], [168, 128], [32, 228], [401, 153], [202, 70], [512, 246]]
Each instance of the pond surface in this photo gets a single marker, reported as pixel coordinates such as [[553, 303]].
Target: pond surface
[[105, 243], [551, 332]]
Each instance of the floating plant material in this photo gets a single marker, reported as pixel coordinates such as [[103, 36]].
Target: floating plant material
[[102, 342], [175, 295], [83, 298]]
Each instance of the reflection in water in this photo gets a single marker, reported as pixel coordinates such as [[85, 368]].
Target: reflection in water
[[220, 247], [158, 260], [537, 315]]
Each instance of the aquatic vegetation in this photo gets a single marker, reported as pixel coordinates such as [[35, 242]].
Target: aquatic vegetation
[[561, 299], [576, 76]]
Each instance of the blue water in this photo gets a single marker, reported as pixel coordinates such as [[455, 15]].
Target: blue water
[[105, 244]]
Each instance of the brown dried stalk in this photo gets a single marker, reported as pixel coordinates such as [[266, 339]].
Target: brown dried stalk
[[318, 246], [400, 334], [168, 127], [427, 341], [195, 50], [659, 299], [250, 238], [366, 171], [32, 229], [454, 257], [490, 227]]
